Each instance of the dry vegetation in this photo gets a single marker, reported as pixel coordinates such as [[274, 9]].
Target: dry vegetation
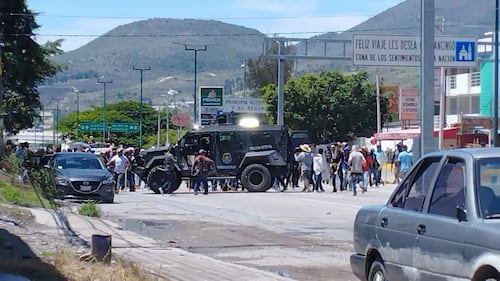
[[34, 251], [27, 250], [65, 265]]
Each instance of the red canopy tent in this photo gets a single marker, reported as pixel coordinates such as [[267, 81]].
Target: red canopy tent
[[448, 133]]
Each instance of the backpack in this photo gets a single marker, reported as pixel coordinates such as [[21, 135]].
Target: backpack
[[202, 167]]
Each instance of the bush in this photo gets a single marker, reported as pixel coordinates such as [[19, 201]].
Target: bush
[[89, 209]]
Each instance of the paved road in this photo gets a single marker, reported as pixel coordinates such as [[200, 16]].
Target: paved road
[[301, 236]]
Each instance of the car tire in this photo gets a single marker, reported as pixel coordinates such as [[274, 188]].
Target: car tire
[[108, 201], [488, 275], [256, 178], [377, 271]]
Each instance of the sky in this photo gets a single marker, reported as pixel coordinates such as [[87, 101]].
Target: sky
[[81, 21]]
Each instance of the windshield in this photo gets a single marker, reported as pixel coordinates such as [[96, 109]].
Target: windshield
[[86, 161], [488, 189]]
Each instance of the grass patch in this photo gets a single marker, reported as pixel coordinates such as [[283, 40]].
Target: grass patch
[[89, 209], [21, 195]]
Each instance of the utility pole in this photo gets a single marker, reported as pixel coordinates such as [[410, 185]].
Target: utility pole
[[195, 96], [140, 106], [379, 118], [167, 127], [427, 79], [244, 66], [281, 84], [104, 126], [57, 120]]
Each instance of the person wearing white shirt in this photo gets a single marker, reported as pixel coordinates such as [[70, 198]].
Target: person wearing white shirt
[[319, 167], [121, 163]]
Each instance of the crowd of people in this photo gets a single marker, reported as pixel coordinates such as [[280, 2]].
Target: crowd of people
[[346, 167]]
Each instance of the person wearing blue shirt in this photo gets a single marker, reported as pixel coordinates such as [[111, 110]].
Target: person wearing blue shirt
[[405, 159]]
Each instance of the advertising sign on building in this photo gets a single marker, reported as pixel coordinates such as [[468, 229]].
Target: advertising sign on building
[[395, 50], [408, 102], [211, 96], [246, 105]]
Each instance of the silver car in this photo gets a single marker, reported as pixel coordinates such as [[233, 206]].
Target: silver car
[[441, 223]]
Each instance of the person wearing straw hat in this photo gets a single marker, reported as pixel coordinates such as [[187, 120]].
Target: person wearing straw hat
[[305, 160]]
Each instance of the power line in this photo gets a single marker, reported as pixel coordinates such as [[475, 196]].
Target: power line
[[108, 35], [218, 19], [210, 35]]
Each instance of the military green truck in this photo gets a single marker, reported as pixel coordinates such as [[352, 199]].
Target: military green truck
[[255, 156]]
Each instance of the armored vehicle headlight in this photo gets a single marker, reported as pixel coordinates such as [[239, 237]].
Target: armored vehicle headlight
[[249, 122]]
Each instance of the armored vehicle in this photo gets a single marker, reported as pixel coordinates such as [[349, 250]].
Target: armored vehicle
[[255, 156]]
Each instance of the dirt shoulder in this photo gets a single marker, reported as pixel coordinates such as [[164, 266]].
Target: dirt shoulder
[[28, 248]]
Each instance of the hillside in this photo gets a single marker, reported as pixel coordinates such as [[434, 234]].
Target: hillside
[[160, 44], [453, 18]]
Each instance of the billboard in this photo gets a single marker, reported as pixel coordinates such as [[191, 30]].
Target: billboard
[[211, 96], [408, 103], [397, 50], [245, 104]]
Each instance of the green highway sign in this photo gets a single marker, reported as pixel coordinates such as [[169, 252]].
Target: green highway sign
[[91, 126], [125, 127]]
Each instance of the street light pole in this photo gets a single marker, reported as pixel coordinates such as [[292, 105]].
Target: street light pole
[[104, 83], [57, 119], [379, 118], [140, 106], [75, 90], [173, 93], [195, 96], [244, 66], [167, 139]]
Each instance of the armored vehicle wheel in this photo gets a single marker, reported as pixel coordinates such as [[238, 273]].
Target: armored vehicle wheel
[[158, 177], [256, 178]]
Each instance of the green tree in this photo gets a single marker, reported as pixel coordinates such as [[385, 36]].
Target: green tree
[[26, 64], [332, 105], [123, 112]]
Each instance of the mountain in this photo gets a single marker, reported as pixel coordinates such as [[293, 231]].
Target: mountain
[[160, 44], [456, 18]]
